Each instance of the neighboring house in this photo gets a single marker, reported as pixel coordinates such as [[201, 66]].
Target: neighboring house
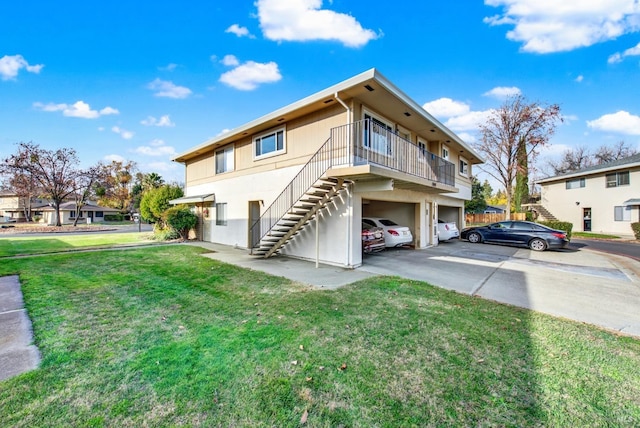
[[495, 209], [12, 209], [13, 206], [299, 180], [603, 198], [89, 213]]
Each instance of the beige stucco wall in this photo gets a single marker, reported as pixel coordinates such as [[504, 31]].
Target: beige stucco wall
[[569, 204], [339, 228], [303, 137]]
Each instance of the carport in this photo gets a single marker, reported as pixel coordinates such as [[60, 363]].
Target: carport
[[401, 212]]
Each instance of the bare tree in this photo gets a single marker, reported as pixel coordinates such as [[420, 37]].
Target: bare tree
[[612, 153], [572, 160], [511, 138], [580, 157], [54, 171], [84, 186]]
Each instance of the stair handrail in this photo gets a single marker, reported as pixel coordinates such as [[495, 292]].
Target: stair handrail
[[310, 173]]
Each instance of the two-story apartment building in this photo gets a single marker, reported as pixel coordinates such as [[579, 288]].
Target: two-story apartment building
[[603, 198], [299, 180]]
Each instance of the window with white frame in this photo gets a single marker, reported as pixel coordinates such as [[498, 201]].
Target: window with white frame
[[618, 179], [576, 183], [378, 134], [445, 152], [622, 213], [464, 167], [224, 160], [221, 214], [270, 143]]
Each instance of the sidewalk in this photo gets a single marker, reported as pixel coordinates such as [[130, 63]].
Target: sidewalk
[[17, 352]]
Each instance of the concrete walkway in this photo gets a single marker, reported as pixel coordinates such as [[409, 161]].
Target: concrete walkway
[[17, 352], [577, 284]]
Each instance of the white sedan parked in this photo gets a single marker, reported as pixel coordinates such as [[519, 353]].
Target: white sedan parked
[[394, 234], [447, 231]]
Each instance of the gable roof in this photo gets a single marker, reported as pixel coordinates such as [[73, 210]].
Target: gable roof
[[624, 163], [372, 88]]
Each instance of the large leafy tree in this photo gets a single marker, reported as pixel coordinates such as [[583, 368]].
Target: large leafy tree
[[156, 201], [145, 182], [511, 139], [54, 171], [115, 190], [478, 203]]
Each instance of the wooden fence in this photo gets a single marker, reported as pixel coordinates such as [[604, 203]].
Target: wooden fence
[[492, 217]]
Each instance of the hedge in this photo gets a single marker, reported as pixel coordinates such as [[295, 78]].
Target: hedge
[[636, 229], [559, 225], [114, 217]]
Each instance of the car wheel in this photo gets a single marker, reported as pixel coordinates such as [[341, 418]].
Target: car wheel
[[474, 237], [538, 244]]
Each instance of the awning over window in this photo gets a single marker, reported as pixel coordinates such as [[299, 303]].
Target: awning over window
[[631, 202], [210, 197]]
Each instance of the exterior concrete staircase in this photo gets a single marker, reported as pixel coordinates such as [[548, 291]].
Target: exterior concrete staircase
[[299, 215], [543, 213]]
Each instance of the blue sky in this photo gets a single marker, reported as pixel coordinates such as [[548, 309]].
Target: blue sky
[[144, 81]]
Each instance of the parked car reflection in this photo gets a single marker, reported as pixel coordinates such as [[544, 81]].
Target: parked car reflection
[[523, 233], [372, 238]]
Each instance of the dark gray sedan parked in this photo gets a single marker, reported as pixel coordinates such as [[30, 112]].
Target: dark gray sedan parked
[[523, 233]]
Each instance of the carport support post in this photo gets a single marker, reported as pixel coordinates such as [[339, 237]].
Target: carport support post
[[317, 240]]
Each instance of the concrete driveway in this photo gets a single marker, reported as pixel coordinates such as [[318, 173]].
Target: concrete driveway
[[579, 284]]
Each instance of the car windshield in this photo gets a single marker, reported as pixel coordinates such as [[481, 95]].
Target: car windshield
[[387, 222]]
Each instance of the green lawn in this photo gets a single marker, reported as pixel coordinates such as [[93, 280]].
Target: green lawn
[[161, 336], [66, 242], [593, 235]]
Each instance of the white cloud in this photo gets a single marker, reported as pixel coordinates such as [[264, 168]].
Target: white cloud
[[78, 109], [114, 158], [620, 122], [127, 135], [155, 148], [446, 107], [239, 31], [618, 57], [467, 137], [249, 75], [168, 89], [502, 92], [169, 67], [304, 20], [468, 121], [230, 60], [164, 121], [545, 26], [10, 65], [579, 78]]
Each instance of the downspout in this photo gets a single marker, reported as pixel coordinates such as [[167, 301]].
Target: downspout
[[349, 199]]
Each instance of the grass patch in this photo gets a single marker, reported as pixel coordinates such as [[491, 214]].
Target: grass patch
[[24, 245], [163, 337], [594, 235]]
